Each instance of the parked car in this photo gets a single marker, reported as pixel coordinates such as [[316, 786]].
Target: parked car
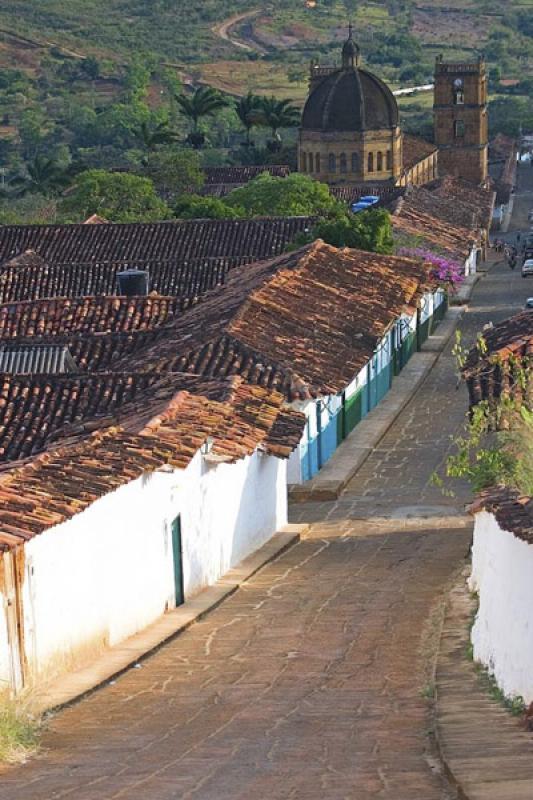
[[528, 253], [364, 203], [529, 304], [527, 268]]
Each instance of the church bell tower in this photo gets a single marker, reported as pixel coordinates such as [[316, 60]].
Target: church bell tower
[[460, 119]]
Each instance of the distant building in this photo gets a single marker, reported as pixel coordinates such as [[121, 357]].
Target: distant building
[[350, 132], [461, 119]]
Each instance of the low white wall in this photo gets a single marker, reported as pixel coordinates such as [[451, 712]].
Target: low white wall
[[5, 670], [502, 636], [108, 572]]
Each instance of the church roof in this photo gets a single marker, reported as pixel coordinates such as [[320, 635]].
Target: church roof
[[350, 98]]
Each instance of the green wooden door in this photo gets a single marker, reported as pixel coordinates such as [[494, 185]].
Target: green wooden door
[[178, 561]]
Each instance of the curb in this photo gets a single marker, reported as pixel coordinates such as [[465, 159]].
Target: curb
[[72, 687], [333, 478], [484, 752]]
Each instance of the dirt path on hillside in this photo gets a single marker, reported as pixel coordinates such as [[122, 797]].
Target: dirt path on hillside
[[224, 31]]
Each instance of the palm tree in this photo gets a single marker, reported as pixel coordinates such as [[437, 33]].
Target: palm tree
[[248, 109], [42, 175], [204, 102], [150, 136], [276, 114]]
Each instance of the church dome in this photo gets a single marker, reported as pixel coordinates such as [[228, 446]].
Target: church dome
[[350, 99]]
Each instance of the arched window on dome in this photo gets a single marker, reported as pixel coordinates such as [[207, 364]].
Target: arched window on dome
[[389, 159], [343, 163], [304, 163], [332, 162], [379, 160], [355, 162], [317, 162], [371, 162]]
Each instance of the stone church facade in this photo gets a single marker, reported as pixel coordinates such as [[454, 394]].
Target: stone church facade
[[350, 133]]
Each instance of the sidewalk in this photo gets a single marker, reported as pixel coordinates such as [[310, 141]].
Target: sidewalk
[[486, 753], [73, 686], [334, 476]]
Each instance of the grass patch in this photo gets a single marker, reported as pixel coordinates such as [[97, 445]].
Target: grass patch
[[19, 730], [515, 704]]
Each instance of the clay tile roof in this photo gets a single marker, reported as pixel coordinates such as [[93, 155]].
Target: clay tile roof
[[479, 199], [242, 174], [304, 323], [137, 243], [418, 214], [512, 337], [514, 512], [187, 280], [415, 150], [60, 316], [29, 258], [350, 194], [66, 479], [453, 211], [486, 368]]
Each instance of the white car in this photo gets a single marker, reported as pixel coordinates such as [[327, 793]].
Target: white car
[[527, 268]]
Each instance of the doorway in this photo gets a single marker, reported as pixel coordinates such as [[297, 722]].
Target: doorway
[[177, 551]]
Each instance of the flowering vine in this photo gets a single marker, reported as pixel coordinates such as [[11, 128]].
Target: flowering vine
[[444, 270]]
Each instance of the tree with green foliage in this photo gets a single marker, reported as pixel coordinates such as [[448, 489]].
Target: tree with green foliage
[[203, 102], [90, 66], [194, 206], [41, 175], [150, 136], [174, 170], [368, 230], [116, 196], [294, 195], [249, 112], [277, 114]]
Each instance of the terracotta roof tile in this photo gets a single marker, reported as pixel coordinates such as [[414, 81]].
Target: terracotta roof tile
[[304, 323], [514, 512], [415, 150], [156, 242], [488, 371], [65, 480], [242, 174], [413, 218], [60, 316], [480, 199]]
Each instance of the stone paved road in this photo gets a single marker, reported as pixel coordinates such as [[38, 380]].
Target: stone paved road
[[306, 684]]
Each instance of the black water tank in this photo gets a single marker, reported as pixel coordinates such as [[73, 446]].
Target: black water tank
[[132, 282]]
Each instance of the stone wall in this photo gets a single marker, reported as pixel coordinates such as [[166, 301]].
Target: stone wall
[[343, 159]]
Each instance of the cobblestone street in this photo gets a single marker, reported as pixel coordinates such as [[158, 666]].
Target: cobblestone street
[[312, 681]]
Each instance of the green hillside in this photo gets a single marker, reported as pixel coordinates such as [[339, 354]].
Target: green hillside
[[79, 77]]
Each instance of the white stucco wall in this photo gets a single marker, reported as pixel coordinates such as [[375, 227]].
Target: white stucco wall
[[4, 647], [108, 572], [502, 636]]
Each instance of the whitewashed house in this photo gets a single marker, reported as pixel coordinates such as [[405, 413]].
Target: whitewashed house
[[502, 576], [101, 535]]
